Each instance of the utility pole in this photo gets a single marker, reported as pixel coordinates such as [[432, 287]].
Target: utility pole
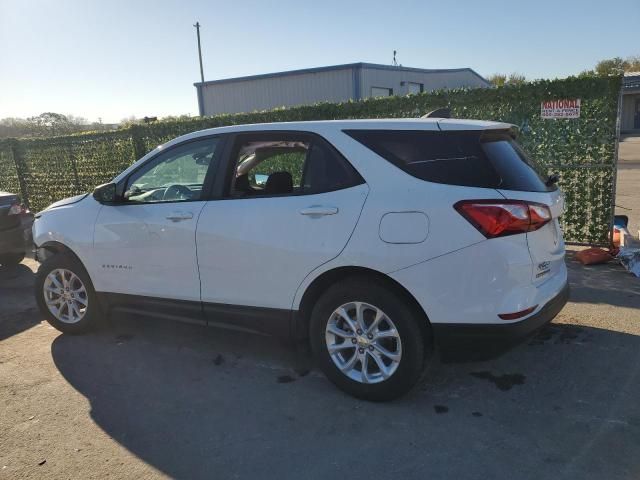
[[197, 25]]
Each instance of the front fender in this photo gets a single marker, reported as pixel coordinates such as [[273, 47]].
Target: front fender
[[69, 225]]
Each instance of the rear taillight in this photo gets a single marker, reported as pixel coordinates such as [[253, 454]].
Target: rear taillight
[[499, 218], [17, 209]]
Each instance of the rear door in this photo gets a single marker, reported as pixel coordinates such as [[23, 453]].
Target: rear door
[[290, 203]]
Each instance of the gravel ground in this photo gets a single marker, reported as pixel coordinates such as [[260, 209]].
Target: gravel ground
[[144, 398]]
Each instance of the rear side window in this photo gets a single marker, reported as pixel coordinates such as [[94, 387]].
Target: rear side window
[[287, 163], [466, 158]]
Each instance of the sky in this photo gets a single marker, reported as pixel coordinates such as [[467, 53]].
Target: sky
[[114, 59]]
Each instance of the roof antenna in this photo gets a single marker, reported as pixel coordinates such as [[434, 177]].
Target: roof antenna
[[395, 63]]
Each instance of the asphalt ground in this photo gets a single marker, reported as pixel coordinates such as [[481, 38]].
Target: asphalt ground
[[147, 398]]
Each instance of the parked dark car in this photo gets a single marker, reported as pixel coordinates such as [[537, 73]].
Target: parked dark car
[[15, 229]]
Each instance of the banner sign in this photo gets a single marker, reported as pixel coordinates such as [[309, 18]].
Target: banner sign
[[563, 108]]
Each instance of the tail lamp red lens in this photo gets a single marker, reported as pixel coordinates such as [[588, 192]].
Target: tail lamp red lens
[[17, 209], [499, 218]]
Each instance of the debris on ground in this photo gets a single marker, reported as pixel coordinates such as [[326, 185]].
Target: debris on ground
[[594, 256], [630, 259]]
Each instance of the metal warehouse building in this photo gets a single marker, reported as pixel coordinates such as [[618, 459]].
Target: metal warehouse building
[[631, 103], [336, 83]]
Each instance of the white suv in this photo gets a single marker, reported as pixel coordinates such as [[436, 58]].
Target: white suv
[[377, 240]]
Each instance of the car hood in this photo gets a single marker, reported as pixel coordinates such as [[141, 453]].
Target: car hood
[[66, 201]]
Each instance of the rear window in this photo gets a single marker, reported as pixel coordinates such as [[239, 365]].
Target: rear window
[[467, 158]]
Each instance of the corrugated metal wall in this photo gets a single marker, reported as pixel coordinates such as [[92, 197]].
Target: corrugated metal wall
[[304, 88], [281, 91], [372, 77]]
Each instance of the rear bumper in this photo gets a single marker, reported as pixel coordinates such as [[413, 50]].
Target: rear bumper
[[18, 239], [472, 342]]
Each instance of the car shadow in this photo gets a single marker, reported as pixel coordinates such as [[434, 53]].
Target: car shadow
[[18, 311], [205, 403]]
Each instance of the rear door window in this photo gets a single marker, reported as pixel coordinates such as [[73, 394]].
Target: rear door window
[[289, 163], [466, 158]]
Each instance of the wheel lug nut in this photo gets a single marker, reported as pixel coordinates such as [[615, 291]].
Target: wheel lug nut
[[359, 332], [353, 340], [370, 336], [371, 348], [361, 350]]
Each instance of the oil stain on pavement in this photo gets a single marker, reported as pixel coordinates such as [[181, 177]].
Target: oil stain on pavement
[[503, 382]]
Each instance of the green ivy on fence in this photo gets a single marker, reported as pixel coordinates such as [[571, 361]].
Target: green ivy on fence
[[582, 151]]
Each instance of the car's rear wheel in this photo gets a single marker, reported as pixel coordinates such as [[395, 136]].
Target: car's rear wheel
[[65, 295], [11, 259], [367, 339]]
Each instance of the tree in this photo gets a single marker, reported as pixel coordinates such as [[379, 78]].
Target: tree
[[47, 124], [15, 127], [497, 79], [613, 66], [500, 79], [52, 124]]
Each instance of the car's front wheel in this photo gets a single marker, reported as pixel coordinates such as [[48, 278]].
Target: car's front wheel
[[65, 295], [367, 339]]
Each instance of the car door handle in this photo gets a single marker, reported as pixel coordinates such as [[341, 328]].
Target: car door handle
[[318, 211], [179, 216]]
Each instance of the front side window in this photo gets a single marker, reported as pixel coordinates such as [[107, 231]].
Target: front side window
[[176, 175], [287, 164]]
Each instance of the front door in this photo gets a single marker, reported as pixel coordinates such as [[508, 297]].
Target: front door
[[636, 118], [290, 205], [145, 246]]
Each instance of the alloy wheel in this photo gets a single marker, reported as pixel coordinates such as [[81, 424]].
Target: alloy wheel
[[65, 295], [363, 342]]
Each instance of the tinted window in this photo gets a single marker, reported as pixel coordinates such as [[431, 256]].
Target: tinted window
[[466, 158], [516, 170], [326, 171]]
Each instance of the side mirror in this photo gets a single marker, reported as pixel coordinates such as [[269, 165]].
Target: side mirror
[[552, 180], [105, 193]]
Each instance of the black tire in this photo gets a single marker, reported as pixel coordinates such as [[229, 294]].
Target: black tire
[[11, 259], [92, 315], [407, 323]]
